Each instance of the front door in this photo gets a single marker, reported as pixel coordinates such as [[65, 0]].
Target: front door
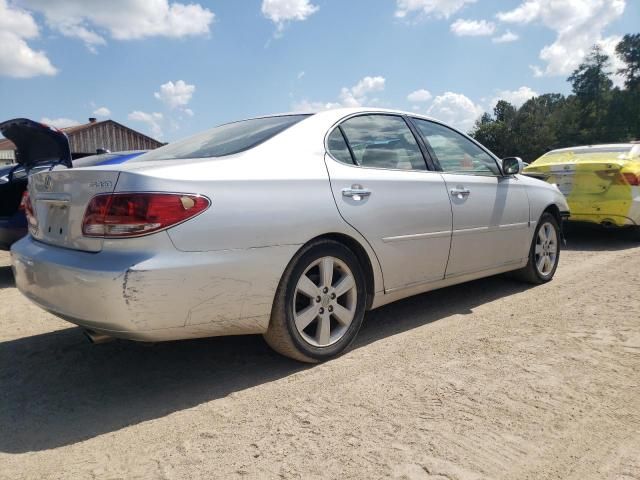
[[383, 189], [490, 211]]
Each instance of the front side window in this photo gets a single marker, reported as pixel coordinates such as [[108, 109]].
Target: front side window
[[383, 141], [456, 153], [225, 139]]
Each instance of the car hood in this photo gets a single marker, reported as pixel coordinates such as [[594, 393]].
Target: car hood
[[37, 143]]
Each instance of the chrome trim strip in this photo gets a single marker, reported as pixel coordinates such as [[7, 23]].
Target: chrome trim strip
[[417, 236], [507, 226]]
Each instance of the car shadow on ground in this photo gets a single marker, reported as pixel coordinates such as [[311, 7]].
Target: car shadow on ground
[[6, 277], [57, 389], [593, 238]]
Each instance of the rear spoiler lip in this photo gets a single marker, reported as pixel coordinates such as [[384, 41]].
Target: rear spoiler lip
[[23, 130]]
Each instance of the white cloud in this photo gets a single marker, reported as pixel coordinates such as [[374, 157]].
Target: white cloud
[[122, 19], [472, 28], [579, 24], [60, 122], [434, 8], [17, 58], [152, 121], [102, 112], [514, 97], [456, 110], [356, 96], [506, 37], [421, 95], [175, 95], [281, 12]]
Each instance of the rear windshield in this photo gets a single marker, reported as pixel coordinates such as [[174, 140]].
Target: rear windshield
[[225, 139]]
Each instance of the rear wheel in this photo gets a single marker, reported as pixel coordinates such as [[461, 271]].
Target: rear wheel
[[319, 305], [544, 253]]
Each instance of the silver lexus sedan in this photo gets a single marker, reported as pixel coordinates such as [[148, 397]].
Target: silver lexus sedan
[[290, 226]]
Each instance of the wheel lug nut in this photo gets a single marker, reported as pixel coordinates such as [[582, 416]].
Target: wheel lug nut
[[318, 299], [333, 296], [321, 311], [330, 308], [325, 290]]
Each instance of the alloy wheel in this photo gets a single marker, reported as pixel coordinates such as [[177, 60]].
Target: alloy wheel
[[325, 301], [546, 251]]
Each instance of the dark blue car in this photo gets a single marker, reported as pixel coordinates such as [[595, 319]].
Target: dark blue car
[[38, 147]]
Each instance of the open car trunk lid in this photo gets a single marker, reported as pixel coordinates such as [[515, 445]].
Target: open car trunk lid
[[59, 199], [37, 143]]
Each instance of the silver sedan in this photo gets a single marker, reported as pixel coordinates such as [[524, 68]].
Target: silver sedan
[[290, 226]]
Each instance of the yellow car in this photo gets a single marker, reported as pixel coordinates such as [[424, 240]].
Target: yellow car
[[601, 182]]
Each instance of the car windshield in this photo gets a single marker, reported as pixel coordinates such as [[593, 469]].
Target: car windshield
[[225, 139]]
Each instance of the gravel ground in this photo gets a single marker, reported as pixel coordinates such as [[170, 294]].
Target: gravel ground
[[492, 379]]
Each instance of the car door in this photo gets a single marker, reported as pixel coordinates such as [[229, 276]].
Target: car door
[[490, 211], [382, 188]]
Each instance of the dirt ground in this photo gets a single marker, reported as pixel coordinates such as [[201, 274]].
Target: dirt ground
[[492, 379]]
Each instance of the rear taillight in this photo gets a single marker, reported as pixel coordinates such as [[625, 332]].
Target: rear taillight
[[27, 208], [631, 178], [135, 214]]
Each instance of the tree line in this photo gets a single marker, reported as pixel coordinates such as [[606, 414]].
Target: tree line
[[595, 112]]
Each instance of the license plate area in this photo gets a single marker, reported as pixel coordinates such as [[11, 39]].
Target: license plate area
[[56, 226], [563, 181]]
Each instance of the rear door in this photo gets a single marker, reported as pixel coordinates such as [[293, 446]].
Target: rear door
[[490, 211], [382, 188]]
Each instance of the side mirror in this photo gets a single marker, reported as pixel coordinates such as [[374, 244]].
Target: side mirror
[[512, 165]]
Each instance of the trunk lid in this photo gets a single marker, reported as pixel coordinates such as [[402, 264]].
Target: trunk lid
[[577, 175], [37, 143], [59, 199]]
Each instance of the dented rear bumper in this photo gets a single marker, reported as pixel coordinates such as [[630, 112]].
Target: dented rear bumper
[[164, 295]]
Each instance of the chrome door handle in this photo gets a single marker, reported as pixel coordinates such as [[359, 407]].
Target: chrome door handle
[[356, 192], [460, 192]]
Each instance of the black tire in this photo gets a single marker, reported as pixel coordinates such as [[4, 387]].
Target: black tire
[[282, 334], [530, 273]]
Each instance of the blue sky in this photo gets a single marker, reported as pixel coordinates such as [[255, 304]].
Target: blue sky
[[64, 60]]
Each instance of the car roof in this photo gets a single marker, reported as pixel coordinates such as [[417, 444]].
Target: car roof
[[346, 111]]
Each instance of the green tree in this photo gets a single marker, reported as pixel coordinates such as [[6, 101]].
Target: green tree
[[629, 52], [596, 112], [592, 86]]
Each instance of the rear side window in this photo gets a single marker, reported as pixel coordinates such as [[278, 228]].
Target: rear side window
[[383, 141], [455, 152], [225, 139], [338, 147]]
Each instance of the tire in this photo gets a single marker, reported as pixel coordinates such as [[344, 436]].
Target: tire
[[532, 272], [315, 301]]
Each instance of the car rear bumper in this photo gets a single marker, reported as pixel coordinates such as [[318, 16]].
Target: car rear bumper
[[604, 219], [164, 295], [609, 210]]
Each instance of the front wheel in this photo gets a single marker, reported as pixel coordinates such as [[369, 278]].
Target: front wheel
[[544, 253], [319, 305]]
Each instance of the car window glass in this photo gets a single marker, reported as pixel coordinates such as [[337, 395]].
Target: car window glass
[[456, 153], [225, 139], [338, 147], [383, 141]]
